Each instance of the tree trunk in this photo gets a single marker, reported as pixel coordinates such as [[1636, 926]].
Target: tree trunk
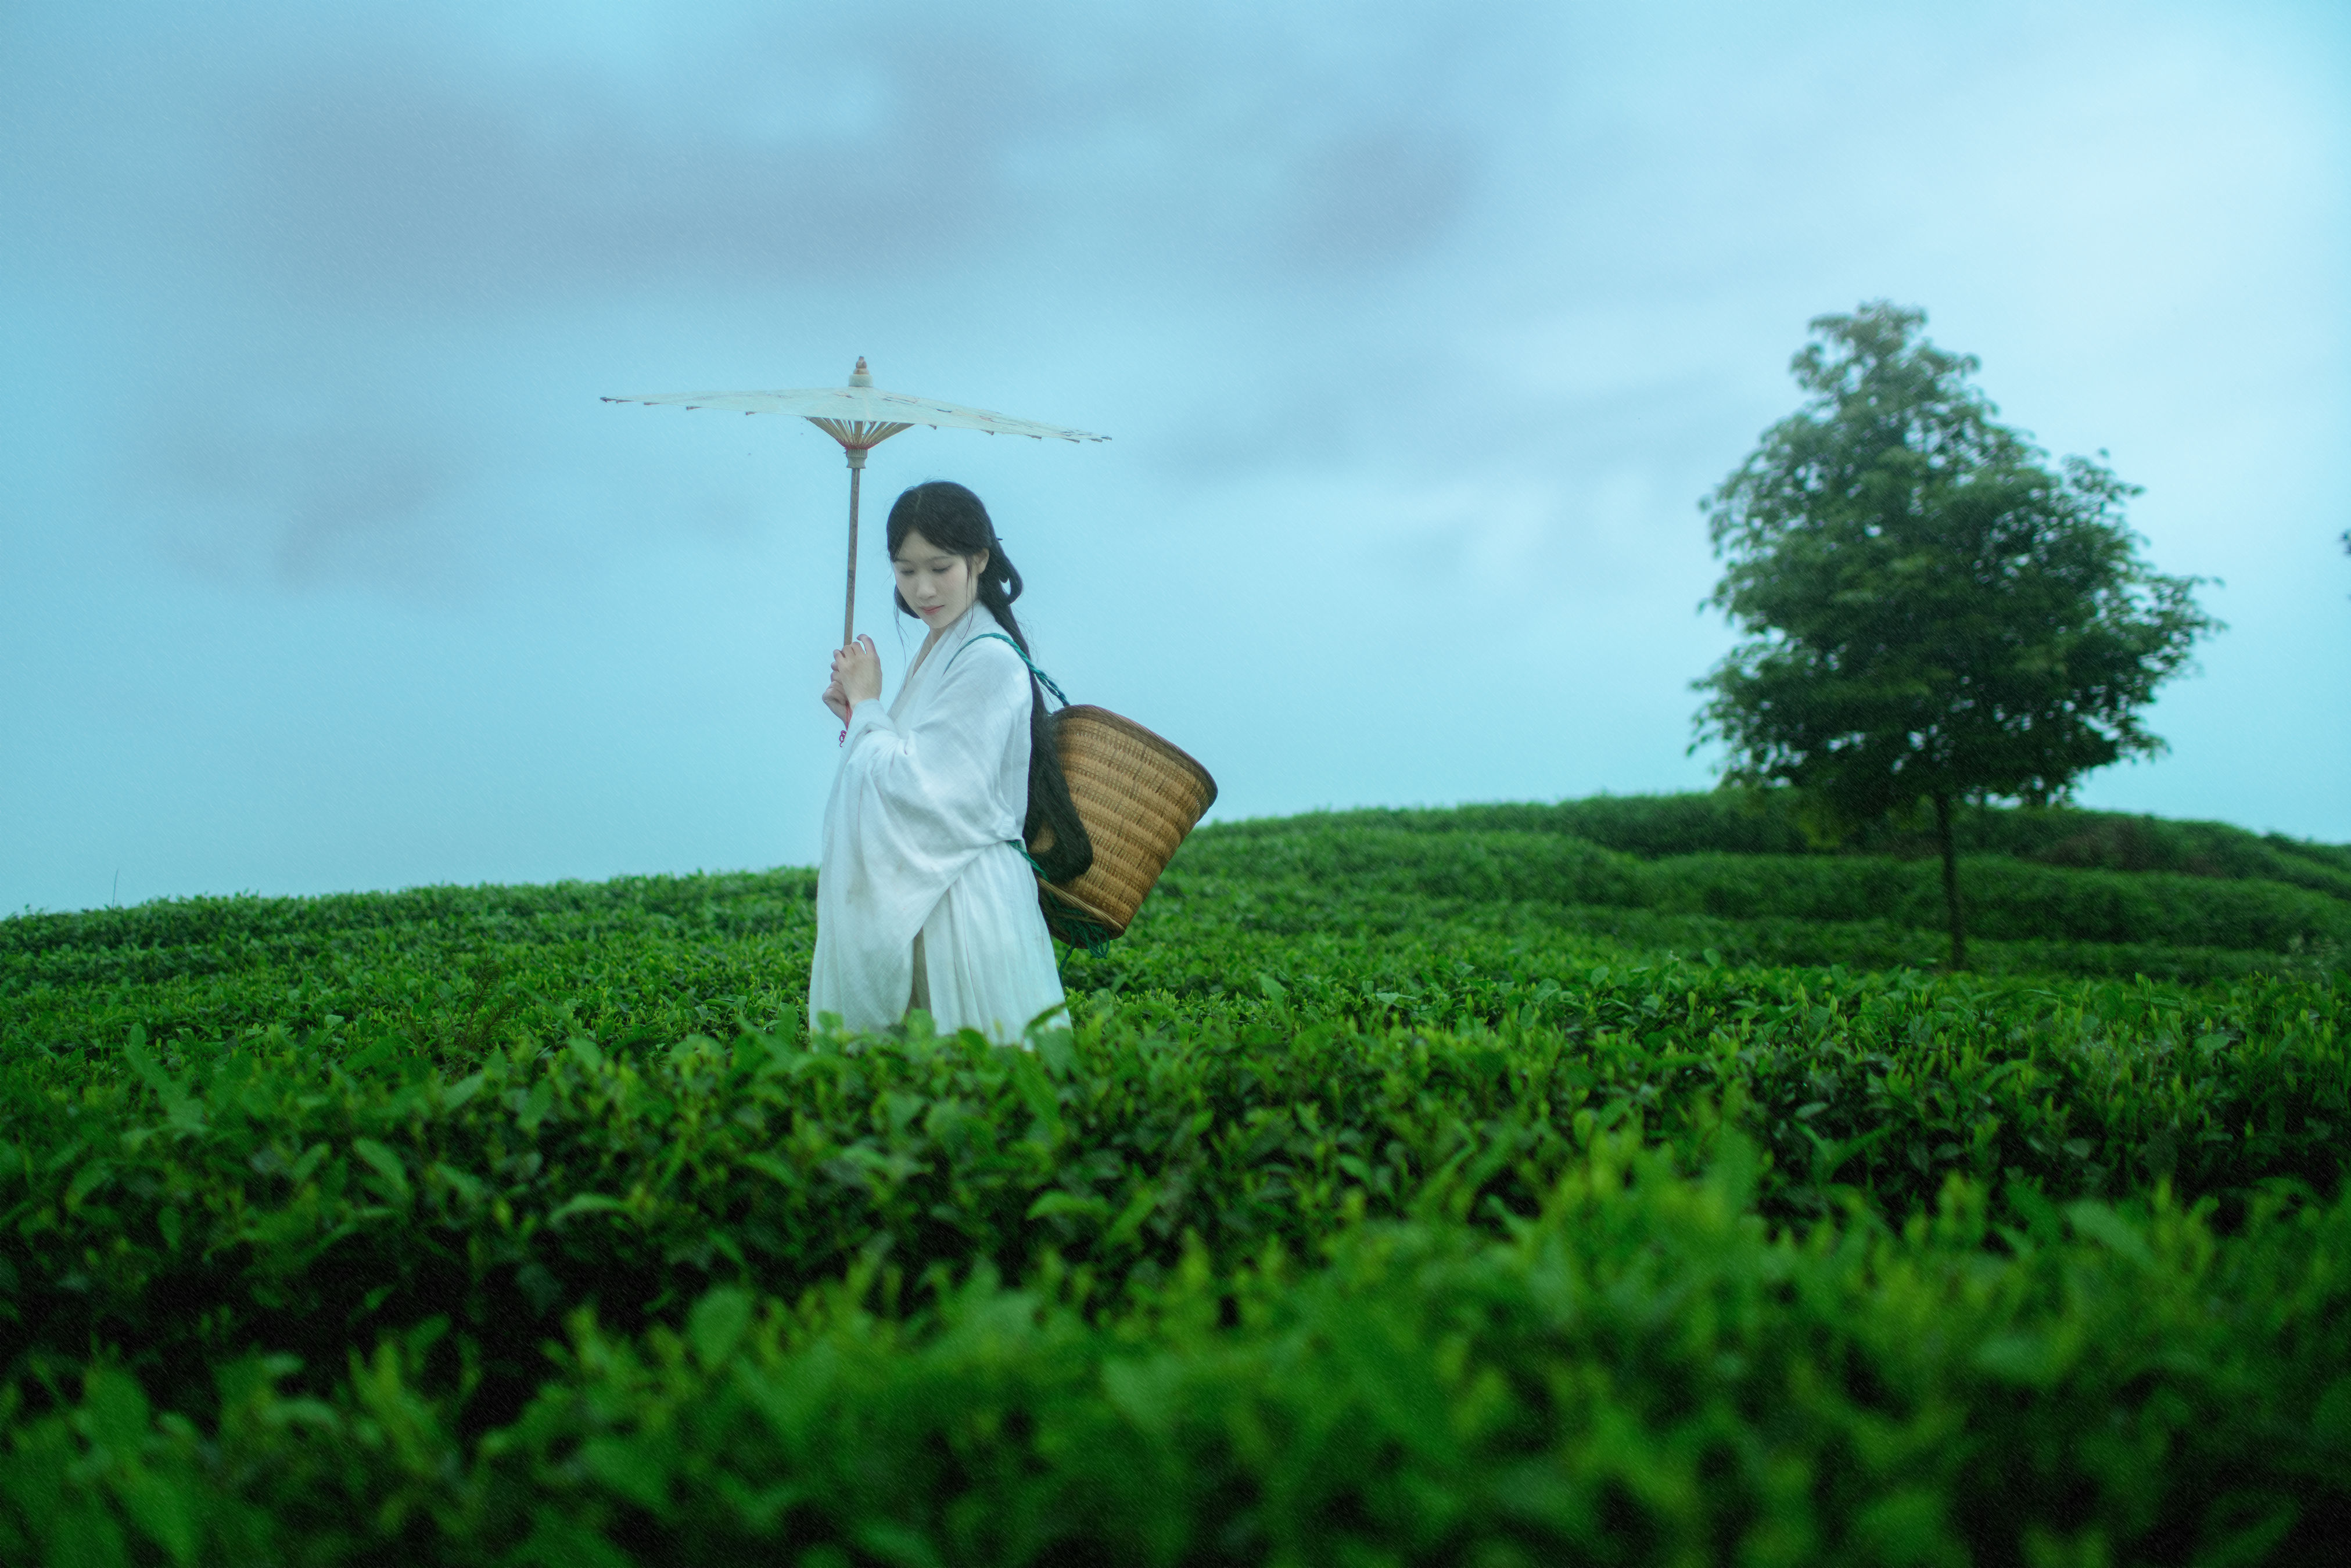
[[1950, 880]]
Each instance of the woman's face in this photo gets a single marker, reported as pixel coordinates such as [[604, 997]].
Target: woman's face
[[937, 584]]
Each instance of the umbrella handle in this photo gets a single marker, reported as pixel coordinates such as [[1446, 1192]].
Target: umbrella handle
[[849, 616]]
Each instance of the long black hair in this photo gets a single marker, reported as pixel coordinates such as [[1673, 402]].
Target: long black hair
[[951, 517]]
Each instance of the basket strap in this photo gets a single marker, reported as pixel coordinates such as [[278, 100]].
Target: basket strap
[[1016, 648]]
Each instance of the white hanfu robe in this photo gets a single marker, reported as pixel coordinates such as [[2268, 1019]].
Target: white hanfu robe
[[922, 837]]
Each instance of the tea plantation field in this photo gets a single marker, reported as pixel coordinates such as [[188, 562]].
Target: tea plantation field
[[1612, 1181]]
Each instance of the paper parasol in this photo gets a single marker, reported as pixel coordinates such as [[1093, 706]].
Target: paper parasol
[[860, 416]]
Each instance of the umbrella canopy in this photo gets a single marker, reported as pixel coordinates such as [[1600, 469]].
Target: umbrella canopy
[[860, 416]]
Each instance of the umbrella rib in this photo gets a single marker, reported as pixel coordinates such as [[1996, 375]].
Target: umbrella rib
[[857, 434]]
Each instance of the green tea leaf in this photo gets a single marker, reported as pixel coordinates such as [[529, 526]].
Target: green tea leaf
[[386, 1163], [717, 1323]]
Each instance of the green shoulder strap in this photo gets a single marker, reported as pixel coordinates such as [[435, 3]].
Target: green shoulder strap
[[1016, 648]]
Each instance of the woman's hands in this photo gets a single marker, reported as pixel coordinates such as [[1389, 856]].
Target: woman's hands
[[856, 677]]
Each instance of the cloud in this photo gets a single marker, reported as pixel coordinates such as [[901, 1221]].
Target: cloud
[[382, 159], [302, 503], [392, 184], [1376, 192]]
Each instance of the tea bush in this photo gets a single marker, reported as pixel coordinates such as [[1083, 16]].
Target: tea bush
[[1403, 1189], [1769, 823], [1640, 1372], [2008, 900]]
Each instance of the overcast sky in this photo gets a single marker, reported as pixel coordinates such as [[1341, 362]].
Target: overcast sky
[[1420, 332]]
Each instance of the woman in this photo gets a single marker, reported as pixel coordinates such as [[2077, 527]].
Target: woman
[[926, 896]]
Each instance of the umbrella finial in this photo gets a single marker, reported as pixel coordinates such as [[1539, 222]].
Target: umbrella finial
[[860, 377]]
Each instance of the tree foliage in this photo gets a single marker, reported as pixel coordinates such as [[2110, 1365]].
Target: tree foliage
[[1933, 612]]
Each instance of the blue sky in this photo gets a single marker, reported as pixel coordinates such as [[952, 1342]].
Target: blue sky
[[1418, 342]]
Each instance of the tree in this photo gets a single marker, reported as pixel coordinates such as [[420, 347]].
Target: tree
[[1931, 612]]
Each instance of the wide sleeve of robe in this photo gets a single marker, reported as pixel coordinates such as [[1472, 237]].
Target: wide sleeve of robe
[[929, 802]]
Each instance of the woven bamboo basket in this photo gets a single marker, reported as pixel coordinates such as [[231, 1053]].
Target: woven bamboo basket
[[1138, 796]]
